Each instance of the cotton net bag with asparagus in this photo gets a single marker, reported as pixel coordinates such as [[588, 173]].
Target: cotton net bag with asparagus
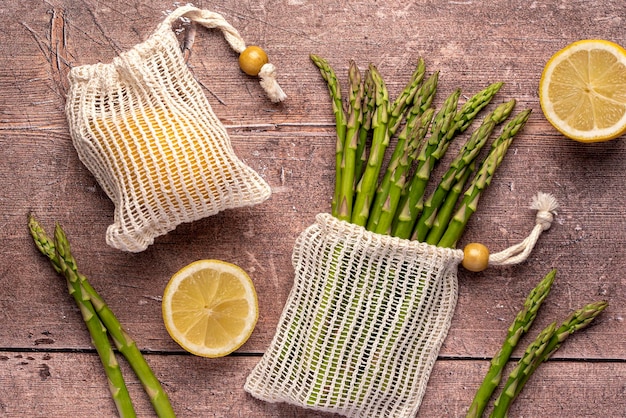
[[375, 283]]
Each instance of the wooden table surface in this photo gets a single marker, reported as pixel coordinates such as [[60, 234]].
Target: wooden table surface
[[48, 366]]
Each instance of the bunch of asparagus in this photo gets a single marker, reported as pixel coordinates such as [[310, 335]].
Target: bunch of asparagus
[[102, 323], [538, 351], [394, 201]]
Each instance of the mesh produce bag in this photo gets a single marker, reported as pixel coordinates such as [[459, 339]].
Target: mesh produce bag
[[142, 125], [365, 319], [363, 323]]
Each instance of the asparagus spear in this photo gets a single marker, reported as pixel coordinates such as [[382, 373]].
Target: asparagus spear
[[475, 104], [380, 141], [417, 122], [399, 106], [63, 262], [457, 168], [577, 320], [97, 331], [445, 211], [355, 118], [519, 327], [328, 74], [547, 343], [368, 107], [482, 179]]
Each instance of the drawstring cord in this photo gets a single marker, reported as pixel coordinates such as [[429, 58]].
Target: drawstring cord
[[213, 20]]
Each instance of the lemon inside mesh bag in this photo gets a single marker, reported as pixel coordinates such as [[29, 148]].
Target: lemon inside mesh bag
[[143, 127]]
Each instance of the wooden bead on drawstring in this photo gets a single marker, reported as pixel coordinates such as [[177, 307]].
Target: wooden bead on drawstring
[[475, 257], [252, 59]]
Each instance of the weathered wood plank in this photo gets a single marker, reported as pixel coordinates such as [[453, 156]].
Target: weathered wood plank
[[66, 384]]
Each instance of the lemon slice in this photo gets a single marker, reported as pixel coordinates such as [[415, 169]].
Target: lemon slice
[[210, 308], [583, 90]]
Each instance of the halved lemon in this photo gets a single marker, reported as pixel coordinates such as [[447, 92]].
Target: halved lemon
[[583, 90], [210, 308]]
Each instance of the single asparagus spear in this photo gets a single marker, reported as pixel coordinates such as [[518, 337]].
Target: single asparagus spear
[[475, 104], [482, 179], [97, 331], [547, 343], [399, 106], [424, 97], [59, 255], [519, 327], [328, 74], [405, 151], [468, 153], [368, 107], [355, 118], [447, 208], [380, 141]]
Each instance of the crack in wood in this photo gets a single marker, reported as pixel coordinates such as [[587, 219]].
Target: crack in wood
[[58, 49], [55, 52]]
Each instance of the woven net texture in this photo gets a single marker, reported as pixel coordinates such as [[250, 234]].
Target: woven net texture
[[363, 324], [144, 128]]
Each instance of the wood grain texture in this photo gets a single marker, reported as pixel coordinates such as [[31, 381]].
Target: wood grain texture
[[47, 365], [63, 384]]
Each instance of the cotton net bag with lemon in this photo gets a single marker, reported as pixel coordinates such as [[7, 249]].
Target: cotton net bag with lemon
[[583, 91], [142, 125]]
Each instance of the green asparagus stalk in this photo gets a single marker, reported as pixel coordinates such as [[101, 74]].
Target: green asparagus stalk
[[424, 97], [355, 118], [444, 213], [368, 107], [328, 74], [474, 105], [519, 327], [366, 188], [97, 331], [540, 350], [412, 195], [399, 106], [534, 351], [482, 179], [417, 123], [466, 155], [63, 262]]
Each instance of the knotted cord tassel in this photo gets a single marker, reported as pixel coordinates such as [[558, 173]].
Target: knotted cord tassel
[[270, 84], [546, 205]]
